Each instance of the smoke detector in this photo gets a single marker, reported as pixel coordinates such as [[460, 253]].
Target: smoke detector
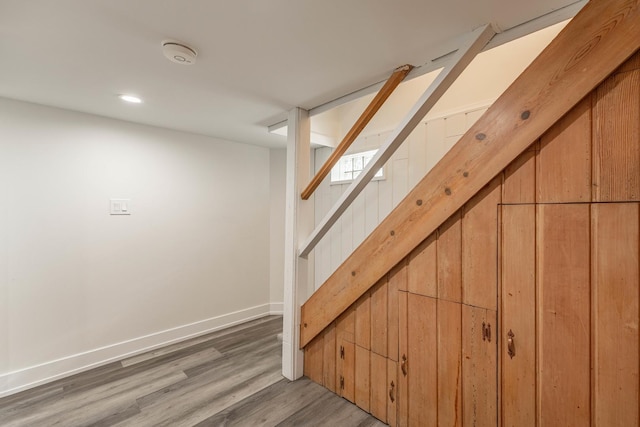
[[179, 53]]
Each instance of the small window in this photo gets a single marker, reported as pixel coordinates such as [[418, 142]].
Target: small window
[[349, 167]]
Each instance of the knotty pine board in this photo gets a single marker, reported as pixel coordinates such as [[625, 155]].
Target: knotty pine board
[[615, 253], [563, 315], [519, 316]]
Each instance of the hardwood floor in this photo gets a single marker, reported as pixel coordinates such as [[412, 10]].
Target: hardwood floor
[[227, 378]]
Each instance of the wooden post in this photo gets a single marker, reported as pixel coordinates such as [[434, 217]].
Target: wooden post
[[298, 225]]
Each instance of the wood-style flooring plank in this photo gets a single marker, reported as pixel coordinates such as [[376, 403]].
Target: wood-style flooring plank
[[228, 377], [84, 408], [164, 350], [284, 399], [331, 411]]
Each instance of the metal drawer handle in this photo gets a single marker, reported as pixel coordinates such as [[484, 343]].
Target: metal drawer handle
[[511, 345], [392, 394], [486, 331], [403, 365]]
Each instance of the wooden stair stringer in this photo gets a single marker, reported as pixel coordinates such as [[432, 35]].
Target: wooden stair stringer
[[596, 42]]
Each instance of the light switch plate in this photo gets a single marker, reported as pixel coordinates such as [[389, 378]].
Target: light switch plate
[[120, 207]]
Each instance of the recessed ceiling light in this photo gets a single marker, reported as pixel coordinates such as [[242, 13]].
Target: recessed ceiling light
[[130, 98]]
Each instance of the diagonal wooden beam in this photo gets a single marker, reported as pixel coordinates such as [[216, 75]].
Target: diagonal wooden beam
[[598, 40], [460, 59], [392, 83]]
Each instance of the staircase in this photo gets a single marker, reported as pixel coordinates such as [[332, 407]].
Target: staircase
[[442, 315]]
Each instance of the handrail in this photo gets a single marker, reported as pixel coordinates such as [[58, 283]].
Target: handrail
[[598, 40], [392, 83], [459, 60]]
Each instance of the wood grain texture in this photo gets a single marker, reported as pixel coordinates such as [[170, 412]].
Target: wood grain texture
[[379, 387], [403, 380], [449, 259], [392, 392], [518, 315], [564, 162], [598, 39], [346, 370], [313, 359], [346, 326], [421, 269], [632, 64], [363, 377], [422, 359], [449, 344], [564, 315], [519, 184], [284, 400], [363, 321], [329, 358], [479, 368], [329, 411], [207, 392], [392, 313], [379, 311], [615, 277], [480, 247], [399, 274], [616, 139]]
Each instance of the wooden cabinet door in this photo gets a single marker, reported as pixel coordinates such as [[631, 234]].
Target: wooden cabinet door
[[615, 243], [392, 392], [379, 386], [570, 314], [546, 319], [362, 377], [346, 355], [421, 361], [479, 367], [346, 370], [402, 405], [519, 316], [449, 338], [563, 335]]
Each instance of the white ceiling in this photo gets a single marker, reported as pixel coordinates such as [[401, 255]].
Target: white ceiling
[[256, 58]]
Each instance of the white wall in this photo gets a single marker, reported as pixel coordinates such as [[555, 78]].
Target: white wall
[[483, 81], [80, 287]]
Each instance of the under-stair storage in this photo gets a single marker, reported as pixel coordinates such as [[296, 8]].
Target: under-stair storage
[[522, 308], [570, 307]]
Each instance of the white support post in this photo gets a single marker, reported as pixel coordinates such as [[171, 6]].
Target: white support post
[[298, 225], [459, 61]]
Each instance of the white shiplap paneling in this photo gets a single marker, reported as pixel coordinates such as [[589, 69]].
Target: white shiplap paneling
[[418, 154]]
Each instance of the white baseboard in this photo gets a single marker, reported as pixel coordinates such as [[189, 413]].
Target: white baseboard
[[16, 381], [276, 308]]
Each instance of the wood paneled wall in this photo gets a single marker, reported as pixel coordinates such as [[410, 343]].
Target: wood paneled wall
[[548, 251]]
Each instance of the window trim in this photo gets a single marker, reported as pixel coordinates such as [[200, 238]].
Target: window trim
[[351, 156]]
